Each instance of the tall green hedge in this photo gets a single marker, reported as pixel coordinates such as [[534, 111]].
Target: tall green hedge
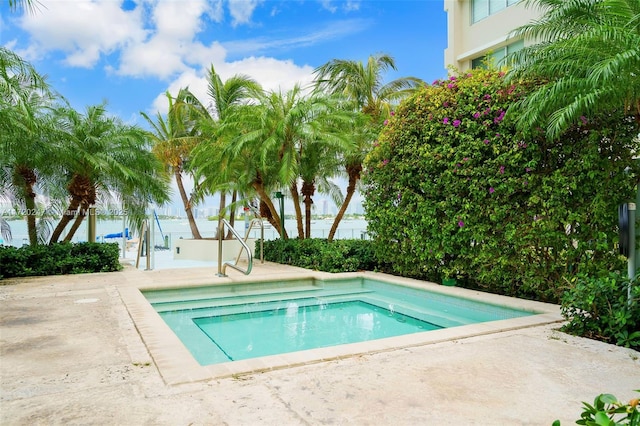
[[58, 259], [320, 254], [452, 190]]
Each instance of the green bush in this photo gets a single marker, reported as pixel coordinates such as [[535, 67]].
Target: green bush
[[58, 259], [608, 411], [600, 308], [453, 191], [319, 254]]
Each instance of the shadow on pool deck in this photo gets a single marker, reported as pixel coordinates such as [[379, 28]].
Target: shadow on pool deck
[[71, 354]]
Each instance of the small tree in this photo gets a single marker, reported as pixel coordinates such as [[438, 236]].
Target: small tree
[[452, 190]]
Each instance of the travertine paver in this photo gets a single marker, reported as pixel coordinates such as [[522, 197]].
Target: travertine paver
[[70, 354]]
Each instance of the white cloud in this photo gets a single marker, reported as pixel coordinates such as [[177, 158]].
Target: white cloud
[[84, 30], [159, 39], [330, 31], [271, 73], [179, 20], [347, 6], [172, 44], [241, 10]]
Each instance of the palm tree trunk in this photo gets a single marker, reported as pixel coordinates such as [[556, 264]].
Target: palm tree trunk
[[25, 178], [187, 206], [221, 207], [64, 220], [296, 205], [30, 204], [264, 197], [308, 189], [232, 214], [354, 174], [76, 223]]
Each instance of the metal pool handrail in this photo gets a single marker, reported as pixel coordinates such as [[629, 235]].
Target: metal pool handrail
[[223, 266]]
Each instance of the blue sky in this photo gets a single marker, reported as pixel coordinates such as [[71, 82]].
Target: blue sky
[[130, 52]]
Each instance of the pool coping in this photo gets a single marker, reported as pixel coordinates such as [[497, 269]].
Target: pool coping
[[177, 366]]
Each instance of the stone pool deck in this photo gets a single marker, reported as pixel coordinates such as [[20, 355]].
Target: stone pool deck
[[71, 354]]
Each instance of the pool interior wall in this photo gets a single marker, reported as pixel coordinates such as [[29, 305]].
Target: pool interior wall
[[228, 323], [177, 364]]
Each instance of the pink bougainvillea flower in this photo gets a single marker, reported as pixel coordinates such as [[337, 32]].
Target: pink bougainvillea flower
[[460, 223], [386, 122], [385, 162], [491, 190], [465, 159], [486, 141], [445, 120], [452, 78], [487, 97], [476, 115], [451, 86], [445, 104], [522, 144], [393, 113], [501, 170], [527, 169], [456, 123]]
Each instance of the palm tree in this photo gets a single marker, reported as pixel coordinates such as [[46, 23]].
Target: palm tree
[[28, 5], [319, 162], [174, 139], [587, 53], [363, 87], [225, 97], [289, 123], [5, 230], [28, 153], [103, 156]]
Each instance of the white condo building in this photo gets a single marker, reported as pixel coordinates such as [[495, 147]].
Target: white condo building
[[480, 28]]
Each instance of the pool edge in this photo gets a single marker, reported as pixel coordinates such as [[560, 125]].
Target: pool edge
[[177, 366]]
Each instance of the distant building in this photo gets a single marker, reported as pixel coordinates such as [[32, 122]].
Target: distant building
[[325, 207], [480, 28]]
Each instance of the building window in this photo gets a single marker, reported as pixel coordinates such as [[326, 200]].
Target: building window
[[480, 9], [496, 57]]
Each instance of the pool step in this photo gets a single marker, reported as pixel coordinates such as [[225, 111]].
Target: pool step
[[308, 294], [227, 290], [419, 311]]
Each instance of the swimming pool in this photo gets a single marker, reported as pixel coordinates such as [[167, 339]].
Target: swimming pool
[[230, 323], [191, 290]]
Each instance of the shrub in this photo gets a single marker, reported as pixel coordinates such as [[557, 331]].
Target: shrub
[[608, 411], [58, 259], [600, 308], [321, 255], [453, 191]]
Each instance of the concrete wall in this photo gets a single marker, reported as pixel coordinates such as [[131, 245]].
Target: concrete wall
[[207, 249], [467, 41]]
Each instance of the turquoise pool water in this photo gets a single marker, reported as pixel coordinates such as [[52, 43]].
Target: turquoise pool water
[[225, 323]]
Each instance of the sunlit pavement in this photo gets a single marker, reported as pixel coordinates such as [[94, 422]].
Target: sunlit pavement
[[71, 354]]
